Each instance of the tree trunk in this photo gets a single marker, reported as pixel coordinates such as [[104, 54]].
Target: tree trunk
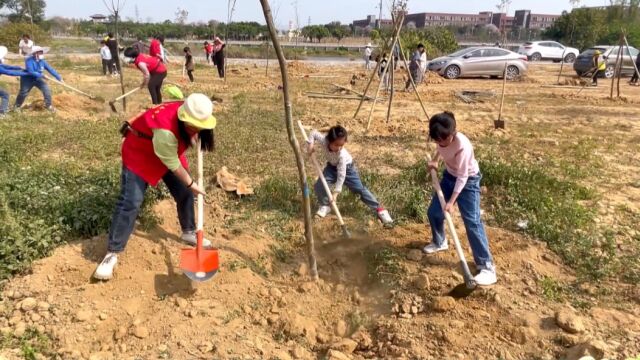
[[293, 141], [124, 100]]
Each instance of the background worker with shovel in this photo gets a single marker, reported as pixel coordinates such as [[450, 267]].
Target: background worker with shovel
[[599, 66], [460, 184], [154, 149], [153, 72], [35, 65]]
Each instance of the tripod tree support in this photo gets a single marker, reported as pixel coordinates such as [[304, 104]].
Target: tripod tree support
[[396, 32], [293, 141], [413, 83]]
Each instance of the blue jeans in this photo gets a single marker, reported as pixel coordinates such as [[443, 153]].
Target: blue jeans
[[132, 189], [4, 101], [352, 182], [469, 205], [29, 82]]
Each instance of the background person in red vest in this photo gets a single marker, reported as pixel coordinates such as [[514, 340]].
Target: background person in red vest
[[153, 149], [208, 50], [155, 47], [153, 72]]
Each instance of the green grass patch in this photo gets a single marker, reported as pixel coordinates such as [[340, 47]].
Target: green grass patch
[[31, 344], [45, 202], [555, 212], [384, 265]]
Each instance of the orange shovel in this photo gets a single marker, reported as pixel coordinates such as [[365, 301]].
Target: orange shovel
[[199, 264]]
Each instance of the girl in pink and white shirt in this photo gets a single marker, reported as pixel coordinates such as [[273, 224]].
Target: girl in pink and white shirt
[[460, 184]]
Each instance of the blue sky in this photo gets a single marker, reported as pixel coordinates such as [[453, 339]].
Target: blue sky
[[320, 11]]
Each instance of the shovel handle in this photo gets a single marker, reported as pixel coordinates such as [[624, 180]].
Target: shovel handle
[[463, 261], [125, 95], [69, 87], [318, 169], [200, 220]]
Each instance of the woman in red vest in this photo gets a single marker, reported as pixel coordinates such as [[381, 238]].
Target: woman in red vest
[[153, 72], [153, 150]]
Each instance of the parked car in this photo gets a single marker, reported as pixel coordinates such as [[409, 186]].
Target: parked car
[[584, 62], [480, 61], [548, 50]]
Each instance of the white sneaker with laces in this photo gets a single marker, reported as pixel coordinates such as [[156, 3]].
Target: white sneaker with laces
[[323, 211], [486, 277], [384, 216], [105, 269], [433, 248], [191, 239]]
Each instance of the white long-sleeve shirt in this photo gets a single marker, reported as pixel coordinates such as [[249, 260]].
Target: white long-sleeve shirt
[[24, 47], [105, 53], [338, 159]]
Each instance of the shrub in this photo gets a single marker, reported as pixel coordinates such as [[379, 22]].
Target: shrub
[[12, 33]]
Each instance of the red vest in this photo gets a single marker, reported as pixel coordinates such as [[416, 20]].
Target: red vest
[[137, 152], [154, 64]]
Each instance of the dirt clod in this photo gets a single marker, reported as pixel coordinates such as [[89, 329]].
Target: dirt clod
[[443, 303], [594, 348], [337, 355], [345, 345], [83, 315], [341, 328], [422, 282], [140, 332], [415, 255], [569, 321], [28, 304]]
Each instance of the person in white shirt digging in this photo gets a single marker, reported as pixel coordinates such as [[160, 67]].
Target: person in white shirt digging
[[341, 170]]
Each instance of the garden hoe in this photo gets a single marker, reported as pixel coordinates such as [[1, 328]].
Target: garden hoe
[[332, 202], [462, 290], [199, 264], [113, 102], [92, 97]]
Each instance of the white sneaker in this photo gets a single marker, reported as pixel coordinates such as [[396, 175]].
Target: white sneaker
[[433, 248], [191, 239], [105, 269], [486, 277], [323, 211], [384, 216]]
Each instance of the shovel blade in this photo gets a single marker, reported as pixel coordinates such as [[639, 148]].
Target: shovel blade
[[199, 265]]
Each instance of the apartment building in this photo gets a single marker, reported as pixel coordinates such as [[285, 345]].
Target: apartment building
[[523, 19]]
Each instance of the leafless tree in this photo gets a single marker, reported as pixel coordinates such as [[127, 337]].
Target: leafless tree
[[115, 7]]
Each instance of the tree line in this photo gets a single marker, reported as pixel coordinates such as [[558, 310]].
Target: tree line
[[586, 27]]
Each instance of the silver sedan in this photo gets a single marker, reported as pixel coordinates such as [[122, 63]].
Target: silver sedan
[[480, 61]]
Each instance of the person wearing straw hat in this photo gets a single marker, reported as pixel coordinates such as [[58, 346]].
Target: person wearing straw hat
[[35, 65], [218, 55], [154, 149], [367, 56], [10, 71], [153, 72]]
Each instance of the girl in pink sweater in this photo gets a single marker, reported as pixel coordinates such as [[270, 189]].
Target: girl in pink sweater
[[460, 184]]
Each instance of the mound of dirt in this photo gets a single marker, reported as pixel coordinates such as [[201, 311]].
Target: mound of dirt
[[68, 105], [433, 78], [300, 68]]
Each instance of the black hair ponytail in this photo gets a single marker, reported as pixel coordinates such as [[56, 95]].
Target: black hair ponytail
[[207, 137], [335, 133]]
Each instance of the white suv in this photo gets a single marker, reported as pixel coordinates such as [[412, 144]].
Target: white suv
[[551, 50]]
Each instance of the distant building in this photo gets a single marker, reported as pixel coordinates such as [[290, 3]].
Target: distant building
[[372, 22], [523, 19], [99, 18], [423, 20]]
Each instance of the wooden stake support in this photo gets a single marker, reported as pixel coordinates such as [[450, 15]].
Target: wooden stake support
[[293, 141]]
